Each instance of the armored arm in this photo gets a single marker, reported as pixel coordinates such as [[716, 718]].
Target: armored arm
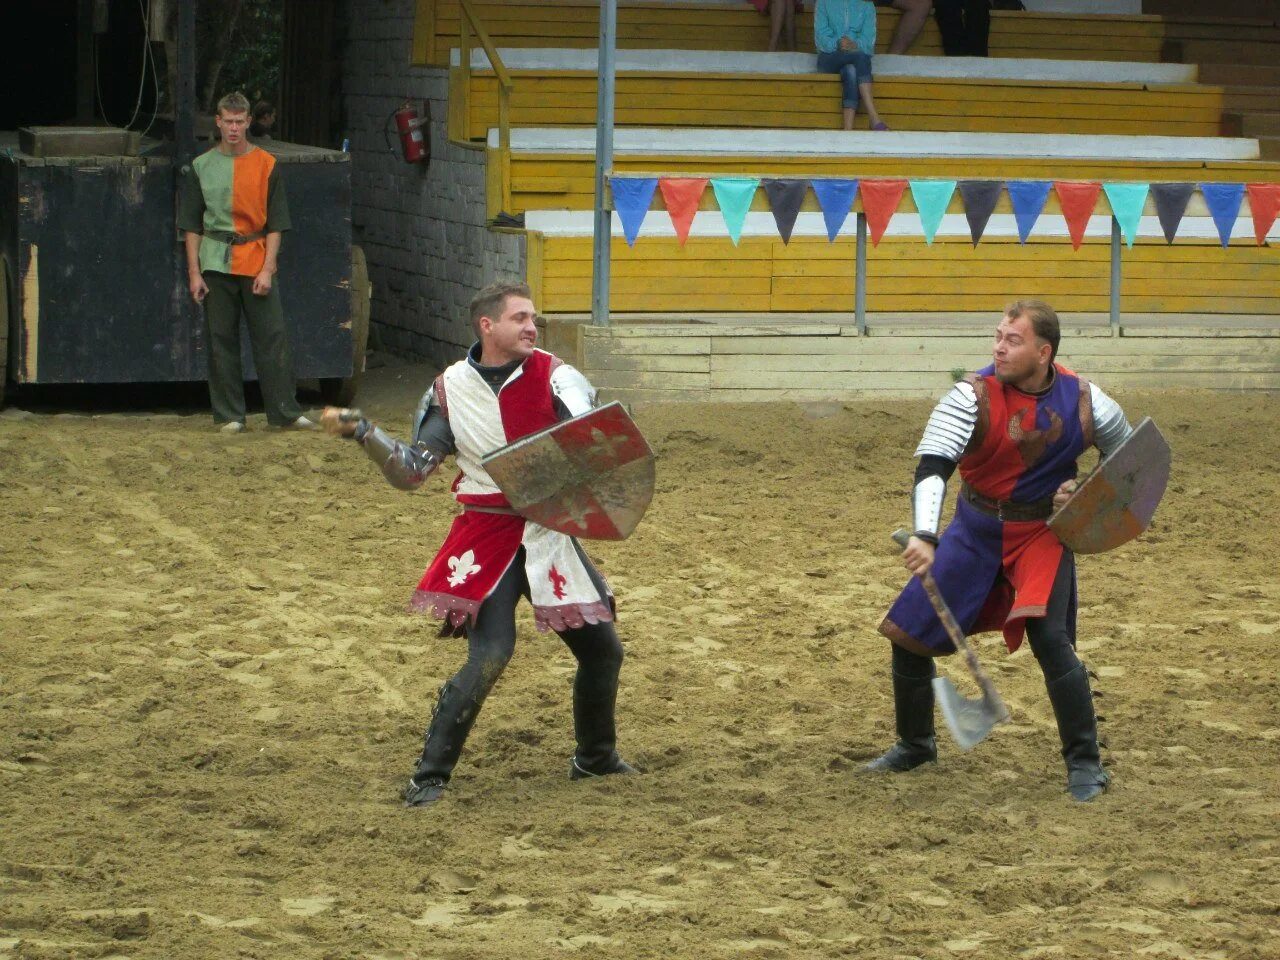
[[946, 436], [404, 466], [1110, 427], [572, 392]]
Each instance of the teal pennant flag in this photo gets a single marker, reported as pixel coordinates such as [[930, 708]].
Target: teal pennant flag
[[931, 198], [1127, 201], [734, 195]]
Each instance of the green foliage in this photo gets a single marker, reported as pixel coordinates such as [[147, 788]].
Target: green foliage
[[957, 374], [252, 63]]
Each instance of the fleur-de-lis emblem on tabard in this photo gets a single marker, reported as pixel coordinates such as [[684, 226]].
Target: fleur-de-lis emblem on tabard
[[462, 567], [557, 582], [1032, 442]]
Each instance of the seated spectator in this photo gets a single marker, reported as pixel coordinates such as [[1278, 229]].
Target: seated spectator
[[844, 32], [782, 17], [964, 25], [264, 118], [914, 14]]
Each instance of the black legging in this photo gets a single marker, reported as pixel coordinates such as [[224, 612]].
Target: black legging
[[1051, 637], [491, 641]]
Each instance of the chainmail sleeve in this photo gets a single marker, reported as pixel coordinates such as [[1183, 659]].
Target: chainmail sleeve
[[1110, 427]]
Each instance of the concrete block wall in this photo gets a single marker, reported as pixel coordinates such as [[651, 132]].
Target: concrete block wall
[[422, 226]]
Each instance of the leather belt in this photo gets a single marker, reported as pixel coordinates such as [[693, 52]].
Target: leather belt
[[501, 511], [1007, 509], [235, 239]]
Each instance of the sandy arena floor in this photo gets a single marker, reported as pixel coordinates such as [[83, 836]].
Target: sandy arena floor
[[210, 698]]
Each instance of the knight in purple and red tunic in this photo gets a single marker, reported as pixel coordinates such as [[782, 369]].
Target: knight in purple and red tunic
[[1016, 430]]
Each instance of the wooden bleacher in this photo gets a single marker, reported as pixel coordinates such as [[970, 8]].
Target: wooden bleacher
[[724, 91], [768, 320], [735, 25]]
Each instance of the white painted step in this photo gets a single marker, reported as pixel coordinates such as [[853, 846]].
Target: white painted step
[[706, 142], [760, 223], [885, 65]]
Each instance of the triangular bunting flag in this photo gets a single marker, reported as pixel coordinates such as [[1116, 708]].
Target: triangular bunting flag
[[931, 199], [1264, 202], [681, 195], [880, 201], [980, 198], [1171, 203], [1224, 206], [734, 194], [785, 197], [1028, 198], [1127, 201], [631, 199], [1077, 201], [836, 199]]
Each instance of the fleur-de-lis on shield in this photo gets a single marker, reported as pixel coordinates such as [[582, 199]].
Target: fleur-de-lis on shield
[[462, 567]]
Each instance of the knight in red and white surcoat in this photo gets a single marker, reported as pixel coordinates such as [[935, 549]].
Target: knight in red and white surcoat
[[504, 389]]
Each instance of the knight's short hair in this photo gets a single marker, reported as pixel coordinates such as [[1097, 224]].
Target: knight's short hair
[[1043, 319], [235, 102], [490, 301]]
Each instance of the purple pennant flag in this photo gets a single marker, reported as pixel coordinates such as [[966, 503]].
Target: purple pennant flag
[[631, 198], [979, 198], [785, 197], [835, 197], [1223, 200], [1171, 203]]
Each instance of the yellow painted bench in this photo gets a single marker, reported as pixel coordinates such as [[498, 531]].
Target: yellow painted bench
[[737, 26], [810, 275], [542, 98], [566, 181]]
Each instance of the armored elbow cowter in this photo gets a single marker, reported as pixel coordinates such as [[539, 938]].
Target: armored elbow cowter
[[404, 466]]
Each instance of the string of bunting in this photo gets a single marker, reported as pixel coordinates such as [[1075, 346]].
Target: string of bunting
[[633, 196]]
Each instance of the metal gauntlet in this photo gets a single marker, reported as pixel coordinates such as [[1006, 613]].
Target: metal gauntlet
[[405, 467]]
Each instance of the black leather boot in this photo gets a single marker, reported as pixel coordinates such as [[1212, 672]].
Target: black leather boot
[[595, 696], [913, 712], [1078, 727], [451, 721]]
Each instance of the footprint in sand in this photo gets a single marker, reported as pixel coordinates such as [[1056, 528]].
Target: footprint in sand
[[306, 906], [630, 901]]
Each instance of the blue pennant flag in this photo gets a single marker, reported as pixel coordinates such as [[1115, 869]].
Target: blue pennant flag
[[1224, 205], [1028, 198], [835, 197], [931, 199], [734, 195], [631, 198], [1127, 201]]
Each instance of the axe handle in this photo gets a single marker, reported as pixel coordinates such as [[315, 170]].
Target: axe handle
[[953, 629]]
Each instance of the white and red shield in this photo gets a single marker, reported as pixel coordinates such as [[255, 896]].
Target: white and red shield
[[589, 477]]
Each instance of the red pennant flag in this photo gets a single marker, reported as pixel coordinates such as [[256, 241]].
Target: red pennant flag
[[1077, 201], [681, 195], [880, 202], [1264, 202]]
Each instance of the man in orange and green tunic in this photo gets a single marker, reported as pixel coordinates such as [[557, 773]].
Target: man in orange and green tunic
[[233, 210]]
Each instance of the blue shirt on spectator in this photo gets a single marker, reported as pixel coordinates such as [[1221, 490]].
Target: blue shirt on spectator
[[855, 19]]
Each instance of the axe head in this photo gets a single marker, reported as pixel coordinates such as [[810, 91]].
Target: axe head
[[968, 720]]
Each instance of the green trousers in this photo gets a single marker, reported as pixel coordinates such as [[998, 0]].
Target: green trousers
[[229, 296]]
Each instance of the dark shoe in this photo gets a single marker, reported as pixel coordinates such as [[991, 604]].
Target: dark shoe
[[451, 720], [1078, 727], [900, 758], [615, 765], [913, 716], [421, 794]]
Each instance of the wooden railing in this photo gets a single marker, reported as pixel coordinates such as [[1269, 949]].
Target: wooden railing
[[470, 23]]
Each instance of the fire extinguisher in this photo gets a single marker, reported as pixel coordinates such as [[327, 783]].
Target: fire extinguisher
[[415, 142]]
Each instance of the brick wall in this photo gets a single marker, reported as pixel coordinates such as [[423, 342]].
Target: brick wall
[[422, 227]]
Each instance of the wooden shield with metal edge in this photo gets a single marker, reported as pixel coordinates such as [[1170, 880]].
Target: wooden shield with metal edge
[[1117, 500], [589, 477]]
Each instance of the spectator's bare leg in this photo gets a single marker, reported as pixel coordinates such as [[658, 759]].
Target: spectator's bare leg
[[864, 89], [848, 117], [777, 12], [914, 15], [791, 25]]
